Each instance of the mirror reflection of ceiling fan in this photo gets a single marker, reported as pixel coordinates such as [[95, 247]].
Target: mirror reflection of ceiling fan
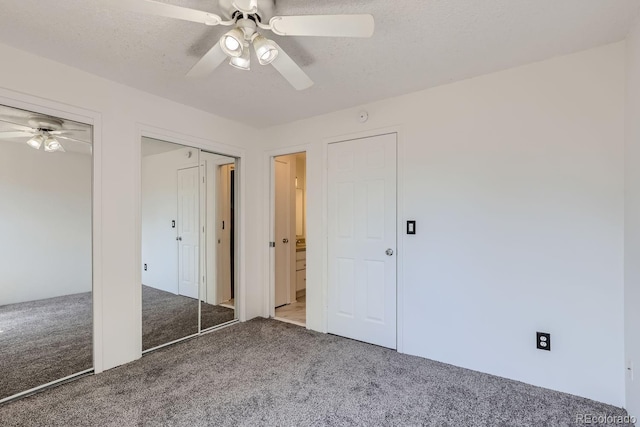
[[247, 17], [43, 131]]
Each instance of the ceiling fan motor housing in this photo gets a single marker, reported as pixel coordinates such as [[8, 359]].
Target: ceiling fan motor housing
[[265, 9], [45, 123]]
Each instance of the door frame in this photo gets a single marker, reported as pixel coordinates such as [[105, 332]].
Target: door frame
[[269, 222], [150, 131], [70, 112], [400, 219], [396, 229]]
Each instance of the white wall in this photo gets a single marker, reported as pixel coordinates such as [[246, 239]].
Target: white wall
[[159, 207], [632, 221], [45, 223], [516, 182], [122, 112]]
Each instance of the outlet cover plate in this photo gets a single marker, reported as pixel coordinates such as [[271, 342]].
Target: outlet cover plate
[[543, 341]]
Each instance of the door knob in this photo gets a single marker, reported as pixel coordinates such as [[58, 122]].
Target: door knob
[[389, 252], [285, 240], [179, 238]]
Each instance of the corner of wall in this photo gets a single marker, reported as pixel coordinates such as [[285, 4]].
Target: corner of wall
[[632, 222]]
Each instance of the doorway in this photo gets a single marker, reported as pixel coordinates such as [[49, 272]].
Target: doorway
[[362, 239], [289, 231]]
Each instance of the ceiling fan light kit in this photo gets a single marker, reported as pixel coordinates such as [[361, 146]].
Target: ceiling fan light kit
[[43, 136], [232, 43], [236, 42], [51, 144], [266, 50], [246, 17], [36, 142], [242, 62]]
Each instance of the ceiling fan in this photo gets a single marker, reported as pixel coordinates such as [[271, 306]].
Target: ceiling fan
[[247, 17], [42, 131]]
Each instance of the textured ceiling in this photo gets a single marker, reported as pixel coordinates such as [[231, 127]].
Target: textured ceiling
[[417, 44]]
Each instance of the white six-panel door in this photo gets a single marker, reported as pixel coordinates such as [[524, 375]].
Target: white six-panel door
[[188, 237], [362, 239]]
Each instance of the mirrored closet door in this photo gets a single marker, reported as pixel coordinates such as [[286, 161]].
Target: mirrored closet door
[[188, 236], [45, 250]]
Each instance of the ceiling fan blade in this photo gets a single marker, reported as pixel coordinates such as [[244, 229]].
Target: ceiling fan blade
[[60, 132], [209, 62], [14, 134], [157, 8], [291, 71], [72, 139], [323, 25], [18, 125]]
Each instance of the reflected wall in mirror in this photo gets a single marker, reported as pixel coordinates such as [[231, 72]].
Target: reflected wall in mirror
[[45, 249], [170, 213], [218, 196]]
